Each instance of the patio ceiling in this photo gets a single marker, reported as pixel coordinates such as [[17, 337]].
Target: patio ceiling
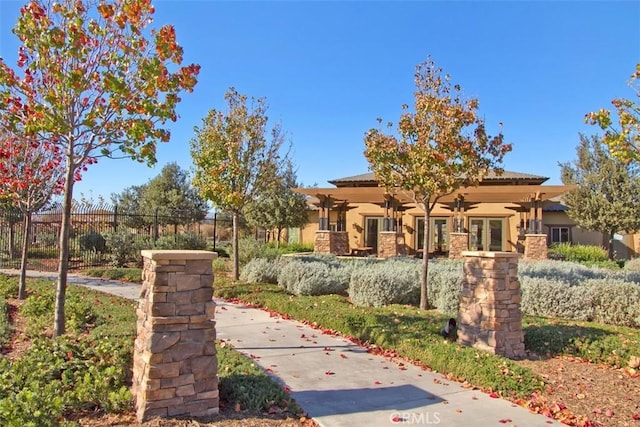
[[486, 194]]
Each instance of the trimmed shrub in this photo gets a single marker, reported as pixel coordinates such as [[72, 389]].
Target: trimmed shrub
[[554, 298], [633, 265], [445, 285], [260, 270], [310, 276], [576, 292], [394, 281], [614, 303]]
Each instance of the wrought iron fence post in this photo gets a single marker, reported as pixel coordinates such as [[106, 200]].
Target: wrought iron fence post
[[155, 225]]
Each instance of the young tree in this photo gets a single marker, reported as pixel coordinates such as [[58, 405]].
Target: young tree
[[441, 147], [31, 175], [93, 85], [280, 207], [234, 161], [607, 196], [624, 141]]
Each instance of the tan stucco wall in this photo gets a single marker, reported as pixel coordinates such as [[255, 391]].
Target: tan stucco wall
[[628, 247], [355, 222]]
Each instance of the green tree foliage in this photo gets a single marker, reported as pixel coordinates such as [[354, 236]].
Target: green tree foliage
[[128, 204], [441, 147], [171, 195], [607, 196], [624, 140], [280, 207], [91, 84], [235, 161]]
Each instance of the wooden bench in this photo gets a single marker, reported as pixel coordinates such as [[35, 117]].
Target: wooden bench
[[362, 251]]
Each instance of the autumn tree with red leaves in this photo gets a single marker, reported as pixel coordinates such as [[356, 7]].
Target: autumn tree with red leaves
[[442, 146], [94, 82], [31, 175]]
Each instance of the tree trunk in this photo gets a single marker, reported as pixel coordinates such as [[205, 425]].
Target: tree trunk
[[424, 300], [236, 261], [63, 264], [279, 237], [610, 245], [22, 287]]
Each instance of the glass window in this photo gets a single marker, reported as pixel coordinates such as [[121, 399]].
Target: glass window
[[486, 234], [439, 230], [559, 234]]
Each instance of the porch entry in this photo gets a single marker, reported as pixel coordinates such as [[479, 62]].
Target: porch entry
[[372, 227], [439, 230], [487, 234]]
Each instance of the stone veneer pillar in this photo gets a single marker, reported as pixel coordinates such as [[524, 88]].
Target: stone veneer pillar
[[390, 244], [458, 242], [175, 369], [535, 246], [331, 242], [490, 317]]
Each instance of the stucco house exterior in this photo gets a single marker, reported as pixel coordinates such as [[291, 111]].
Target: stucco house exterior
[[512, 212]]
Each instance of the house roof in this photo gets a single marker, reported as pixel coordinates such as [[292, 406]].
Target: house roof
[[370, 179]]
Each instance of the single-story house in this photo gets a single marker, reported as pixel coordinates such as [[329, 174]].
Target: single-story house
[[511, 212]]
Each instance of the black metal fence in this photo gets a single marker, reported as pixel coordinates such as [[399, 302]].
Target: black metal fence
[[89, 227]]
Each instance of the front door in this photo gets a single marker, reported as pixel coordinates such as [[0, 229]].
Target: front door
[[372, 227], [486, 234], [439, 234]]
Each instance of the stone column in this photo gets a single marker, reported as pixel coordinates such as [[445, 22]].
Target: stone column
[[458, 242], [490, 317], [388, 244], [175, 369], [535, 246], [331, 242], [322, 242]]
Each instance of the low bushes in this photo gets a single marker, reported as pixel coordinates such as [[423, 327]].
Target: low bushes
[[313, 276], [549, 288], [572, 291], [384, 283], [579, 253]]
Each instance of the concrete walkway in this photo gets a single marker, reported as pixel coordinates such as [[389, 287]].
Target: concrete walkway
[[339, 383]]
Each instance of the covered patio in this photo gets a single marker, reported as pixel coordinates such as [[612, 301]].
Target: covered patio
[[526, 202]]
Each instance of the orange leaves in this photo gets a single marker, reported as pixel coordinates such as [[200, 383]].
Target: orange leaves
[[442, 144], [106, 10], [166, 45]]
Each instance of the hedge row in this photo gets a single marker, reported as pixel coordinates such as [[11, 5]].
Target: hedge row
[[549, 288]]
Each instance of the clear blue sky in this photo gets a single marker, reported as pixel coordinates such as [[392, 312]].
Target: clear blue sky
[[329, 69]]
